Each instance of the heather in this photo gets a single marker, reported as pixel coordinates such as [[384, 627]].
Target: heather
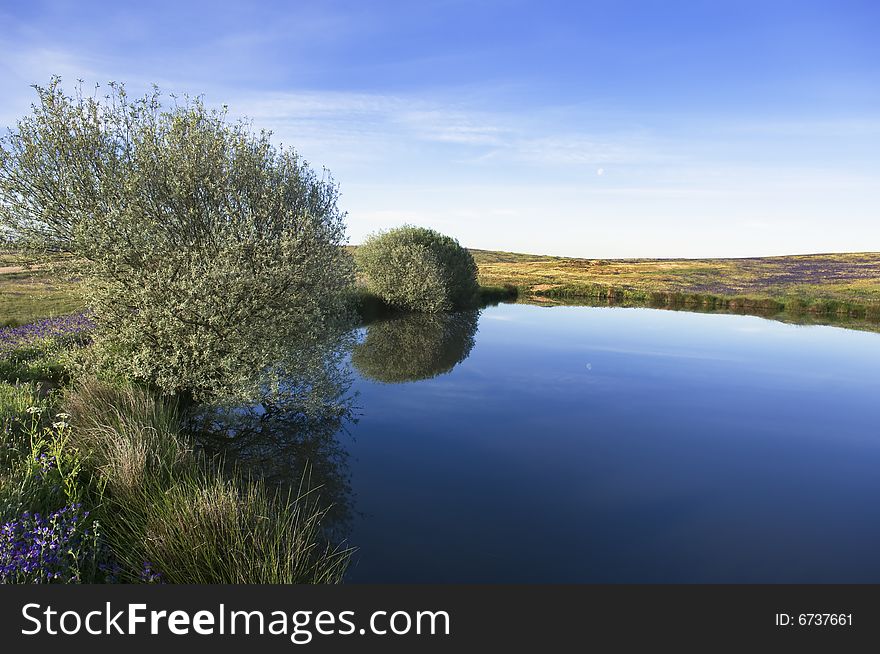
[[839, 288], [38, 351], [55, 330]]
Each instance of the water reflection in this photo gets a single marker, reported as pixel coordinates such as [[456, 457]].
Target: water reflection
[[659, 447], [415, 346], [290, 427], [288, 431]]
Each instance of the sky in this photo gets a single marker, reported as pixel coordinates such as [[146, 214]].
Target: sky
[[592, 129]]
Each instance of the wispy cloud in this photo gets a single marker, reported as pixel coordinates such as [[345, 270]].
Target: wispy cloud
[[488, 137], [454, 126]]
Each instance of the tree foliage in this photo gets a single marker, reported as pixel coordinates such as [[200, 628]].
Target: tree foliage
[[203, 247], [418, 269]]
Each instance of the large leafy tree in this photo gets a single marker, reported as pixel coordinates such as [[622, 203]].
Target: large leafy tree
[[203, 248]]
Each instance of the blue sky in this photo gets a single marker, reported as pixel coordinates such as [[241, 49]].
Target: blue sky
[[596, 129]]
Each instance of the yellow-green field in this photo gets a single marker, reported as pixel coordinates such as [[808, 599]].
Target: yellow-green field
[[842, 284], [29, 294]]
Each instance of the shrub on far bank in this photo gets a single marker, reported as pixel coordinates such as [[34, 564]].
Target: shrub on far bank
[[418, 269]]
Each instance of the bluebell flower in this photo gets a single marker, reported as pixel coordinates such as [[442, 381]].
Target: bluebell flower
[[52, 330], [54, 548]]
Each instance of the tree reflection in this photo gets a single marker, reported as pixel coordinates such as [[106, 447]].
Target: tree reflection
[[287, 433], [287, 427], [415, 346]]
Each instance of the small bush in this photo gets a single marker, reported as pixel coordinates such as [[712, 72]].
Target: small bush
[[418, 269]]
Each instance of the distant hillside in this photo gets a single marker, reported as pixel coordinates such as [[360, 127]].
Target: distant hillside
[[819, 283]]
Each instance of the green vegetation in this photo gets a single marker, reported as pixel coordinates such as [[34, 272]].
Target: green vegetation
[[28, 295], [198, 243], [418, 269], [496, 294], [166, 504], [33, 438], [48, 535], [210, 269], [152, 503]]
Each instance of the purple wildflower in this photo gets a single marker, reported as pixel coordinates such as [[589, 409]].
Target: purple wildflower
[[47, 463], [50, 330], [59, 547], [149, 575], [110, 570]]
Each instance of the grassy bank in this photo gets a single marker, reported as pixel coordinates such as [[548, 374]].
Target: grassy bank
[[846, 285], [30, 295], [164, 503], [100, 482]]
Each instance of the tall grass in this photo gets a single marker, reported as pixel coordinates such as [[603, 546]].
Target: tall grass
[[167, 506]]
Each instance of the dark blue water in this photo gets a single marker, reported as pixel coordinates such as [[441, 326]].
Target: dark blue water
[[575, 444]]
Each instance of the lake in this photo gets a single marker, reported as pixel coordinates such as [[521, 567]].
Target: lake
[[578, 444]]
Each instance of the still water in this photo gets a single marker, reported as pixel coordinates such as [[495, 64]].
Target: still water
[[577, 444]]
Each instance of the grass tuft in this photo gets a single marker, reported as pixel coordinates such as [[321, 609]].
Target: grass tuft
[[195, 523]]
